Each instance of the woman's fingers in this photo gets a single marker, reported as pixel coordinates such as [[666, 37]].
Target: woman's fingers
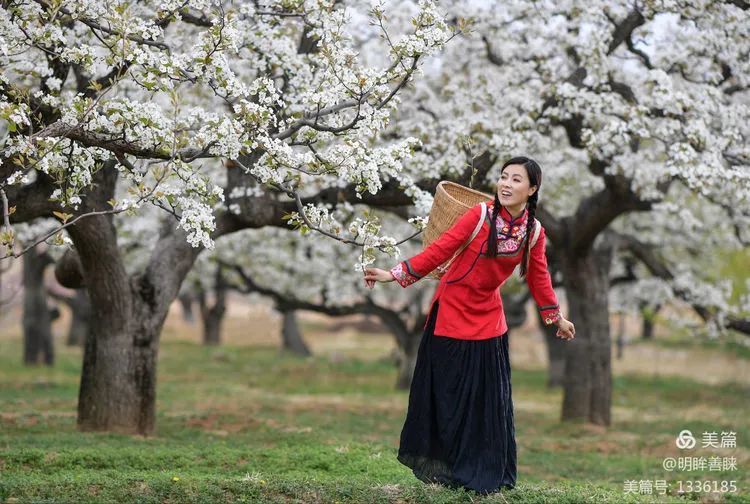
[[565, 334], [571, 330], [371, 276]]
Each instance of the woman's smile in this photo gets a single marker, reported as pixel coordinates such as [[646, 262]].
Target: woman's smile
[[509, 198]]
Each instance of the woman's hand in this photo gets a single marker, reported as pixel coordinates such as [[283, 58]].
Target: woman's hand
[[373, 275], [565, 329]]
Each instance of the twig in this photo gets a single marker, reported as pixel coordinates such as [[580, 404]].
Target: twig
[[301, 209], [6, 215]]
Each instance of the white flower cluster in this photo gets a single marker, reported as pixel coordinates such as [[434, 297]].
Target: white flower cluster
[[16, 177], [197, 220], [140, 124], [713, 294], [367, 231], [319, 216], [70, 166], [431, 34], [14, 115], [645, 292], [419, 222]]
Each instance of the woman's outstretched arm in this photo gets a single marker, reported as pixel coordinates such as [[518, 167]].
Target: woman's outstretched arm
[[540, 285], [411, 270]]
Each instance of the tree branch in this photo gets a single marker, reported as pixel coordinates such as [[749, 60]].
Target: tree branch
[[624, 30], [658, 267]]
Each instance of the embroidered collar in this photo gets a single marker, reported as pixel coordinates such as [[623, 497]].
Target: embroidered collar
[[510, 231], [505, 215]]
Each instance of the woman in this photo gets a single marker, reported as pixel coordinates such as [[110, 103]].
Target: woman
[[459, 428]]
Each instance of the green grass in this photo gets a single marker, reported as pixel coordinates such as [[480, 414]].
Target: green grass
[[246, 424]]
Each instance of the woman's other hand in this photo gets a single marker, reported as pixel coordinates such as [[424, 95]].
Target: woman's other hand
[[565, 329], [373, 275]]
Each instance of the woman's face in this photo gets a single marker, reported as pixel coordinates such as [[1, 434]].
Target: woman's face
[[514, 187]]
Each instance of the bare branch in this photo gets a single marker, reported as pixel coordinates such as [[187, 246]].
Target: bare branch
[[624, 31]]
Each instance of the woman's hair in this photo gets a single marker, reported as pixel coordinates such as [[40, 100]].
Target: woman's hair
[[534, 171]]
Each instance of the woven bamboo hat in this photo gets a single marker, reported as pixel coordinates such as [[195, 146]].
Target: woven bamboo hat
[[451, 202]]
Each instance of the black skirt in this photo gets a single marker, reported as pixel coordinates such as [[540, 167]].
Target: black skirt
[[459, 428]]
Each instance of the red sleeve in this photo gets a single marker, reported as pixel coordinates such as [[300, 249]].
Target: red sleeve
[[540, 282], [409, 271]]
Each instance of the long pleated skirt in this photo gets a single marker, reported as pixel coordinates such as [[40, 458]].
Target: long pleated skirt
[[459, 428]]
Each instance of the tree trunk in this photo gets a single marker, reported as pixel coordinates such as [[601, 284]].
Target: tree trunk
[[118, 378], [647, 331], [80, 319], [37, 318], [186, 303], [212, 329], [555, 354], [588, 372], [291, 337], [408, 338], [213, 315], [408, 347], [620, 340], [109, 398], [116, 391]]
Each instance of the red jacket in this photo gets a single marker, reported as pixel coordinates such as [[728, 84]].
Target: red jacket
[[470, 303]]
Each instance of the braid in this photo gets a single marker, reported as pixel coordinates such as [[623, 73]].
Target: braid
[[530, 224], [492, 241]]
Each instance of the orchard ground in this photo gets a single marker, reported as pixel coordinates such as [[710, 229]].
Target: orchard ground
[[243, 423]]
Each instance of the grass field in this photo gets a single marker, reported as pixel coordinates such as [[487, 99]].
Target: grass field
[[242, 423]]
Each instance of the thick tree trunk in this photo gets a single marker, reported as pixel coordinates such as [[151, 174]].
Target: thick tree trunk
[[108, 366], [37, 319], [291, 337], [588, 372], [109, 397], [80, 319], [118, 378]]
